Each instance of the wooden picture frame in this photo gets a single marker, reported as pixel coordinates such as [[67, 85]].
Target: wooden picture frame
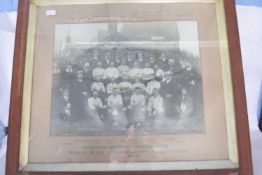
[[23, 154]]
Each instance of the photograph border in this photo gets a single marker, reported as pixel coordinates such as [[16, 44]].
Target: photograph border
[[234, 91]]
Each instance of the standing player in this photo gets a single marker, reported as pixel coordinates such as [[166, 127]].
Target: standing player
[[136, 72], [148, 73], [99, 71], [112, 72]]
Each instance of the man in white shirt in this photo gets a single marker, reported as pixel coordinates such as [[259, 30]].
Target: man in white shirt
[[137, 105], [125, 85], [96, 108], [139, 85], [111, 71], [137, 99], [112, 85], [123, 69], [115, 104], [151, 86], [148, 72], [99, 71], [95, 102], [99, 87], [155, 104], [135, 72], [115, 100]]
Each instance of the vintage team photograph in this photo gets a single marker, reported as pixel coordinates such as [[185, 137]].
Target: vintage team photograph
[[110, 77]]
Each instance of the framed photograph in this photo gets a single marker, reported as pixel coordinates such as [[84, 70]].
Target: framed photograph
[[128, 87]]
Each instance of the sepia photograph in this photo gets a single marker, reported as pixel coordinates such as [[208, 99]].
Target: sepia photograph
[[109, 77]]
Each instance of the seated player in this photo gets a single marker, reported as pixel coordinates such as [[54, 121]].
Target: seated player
[[125, 85], [137, 105], [96, 108], [148, 72], [99, 71], [111, 71], [135, 72], [138, 84], [111, 86], [115, 104], [151, 86], [123, 69], [155, 104], [98, 86]]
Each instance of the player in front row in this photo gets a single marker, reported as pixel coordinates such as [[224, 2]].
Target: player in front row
[[96, 107], [115, 105], [155, 104], [137, 105]]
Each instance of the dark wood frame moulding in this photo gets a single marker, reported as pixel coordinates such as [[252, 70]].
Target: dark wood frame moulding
[[244, 148]]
